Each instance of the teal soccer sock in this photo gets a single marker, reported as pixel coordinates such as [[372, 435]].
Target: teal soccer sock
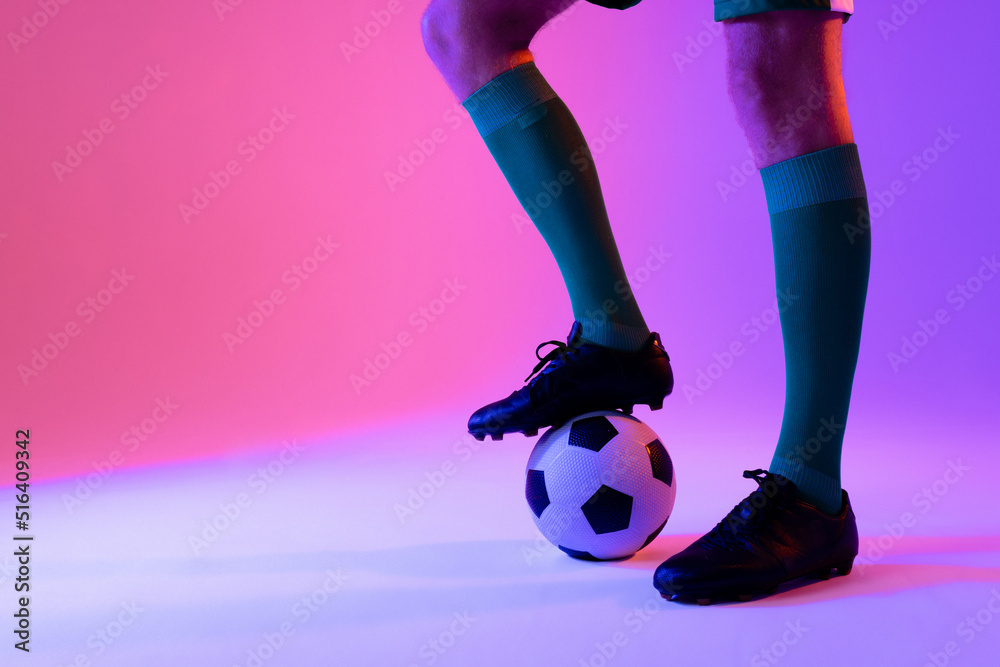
[[821, 266], [541, 151]]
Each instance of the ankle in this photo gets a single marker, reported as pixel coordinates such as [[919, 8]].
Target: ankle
[[812, 486], [620, 337]]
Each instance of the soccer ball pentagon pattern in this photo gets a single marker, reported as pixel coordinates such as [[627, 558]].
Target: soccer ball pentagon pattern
[[600, 486]]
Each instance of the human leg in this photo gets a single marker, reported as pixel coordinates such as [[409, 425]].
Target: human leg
[[481, 49], [797, 124], [785, 81]]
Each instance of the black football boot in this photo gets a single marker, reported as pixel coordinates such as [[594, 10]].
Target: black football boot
[[769, 538], [577, 377]]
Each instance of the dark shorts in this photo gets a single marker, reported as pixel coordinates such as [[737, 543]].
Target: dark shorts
[[729, 9]]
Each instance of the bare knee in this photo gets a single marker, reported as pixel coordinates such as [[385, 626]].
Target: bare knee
[[439, 33], [472, 41], [785, 81]]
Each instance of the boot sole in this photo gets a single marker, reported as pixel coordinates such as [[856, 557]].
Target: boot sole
[[654, 403], [823, 573]]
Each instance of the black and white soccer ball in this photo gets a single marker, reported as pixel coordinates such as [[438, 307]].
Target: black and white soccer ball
[[600, 486]]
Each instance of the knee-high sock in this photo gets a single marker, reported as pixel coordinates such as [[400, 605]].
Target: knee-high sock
[[541, 151], [821, 269]]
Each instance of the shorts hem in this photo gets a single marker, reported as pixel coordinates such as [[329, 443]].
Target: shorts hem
[[730, 9]]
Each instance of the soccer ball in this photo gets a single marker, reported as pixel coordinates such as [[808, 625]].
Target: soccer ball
[[600, 486]]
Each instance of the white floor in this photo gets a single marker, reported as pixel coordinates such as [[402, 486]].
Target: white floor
[[318, 566]]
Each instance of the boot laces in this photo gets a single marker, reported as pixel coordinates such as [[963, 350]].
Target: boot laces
[[555, 358], [743, 520]]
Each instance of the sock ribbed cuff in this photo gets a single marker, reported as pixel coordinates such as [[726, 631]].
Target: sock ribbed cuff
[[832, 174], [812, 485], [614, 335], [506, 97]]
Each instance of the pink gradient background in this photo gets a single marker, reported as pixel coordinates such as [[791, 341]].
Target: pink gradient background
[[324, 176]]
